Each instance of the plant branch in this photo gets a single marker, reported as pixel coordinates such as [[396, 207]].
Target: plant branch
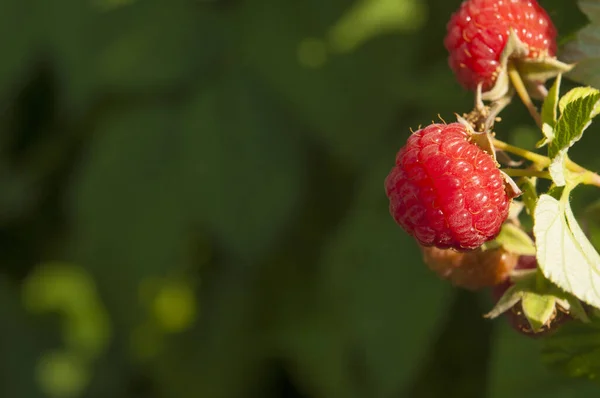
[[590, 178], [541, 162], [521, 90], [527, 173]]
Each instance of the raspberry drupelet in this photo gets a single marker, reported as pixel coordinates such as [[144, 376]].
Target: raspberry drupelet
[[446, 191]]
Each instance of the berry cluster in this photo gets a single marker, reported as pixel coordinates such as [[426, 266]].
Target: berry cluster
[[447, 188]]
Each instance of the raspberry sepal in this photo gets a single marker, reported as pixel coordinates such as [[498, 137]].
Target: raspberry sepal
[[535, 306], [534, 72]]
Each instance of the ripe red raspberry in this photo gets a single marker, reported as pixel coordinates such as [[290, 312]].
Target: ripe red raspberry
[[471, 270], [446, 191], [478, 32]]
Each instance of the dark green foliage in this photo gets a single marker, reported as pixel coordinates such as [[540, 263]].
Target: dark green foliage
[[192, 204]]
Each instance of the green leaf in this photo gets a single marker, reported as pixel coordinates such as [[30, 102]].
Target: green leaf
[[515, 209], [575, 94], [564, 254], [529, 196], [578, 108], [18, 50], [583, 49], [224, 167], [575, 350], [516, 370], [548, 133], [353, 105], [242, 176], [122, 50], [127, 205], [515, 240], [538, 309], [558, 168], [573, 305], [317, 344], [126, 55], [540, 70], [21, 342], [370, 268], [549, 113], [508, 300], [69, 290], [369, 18]]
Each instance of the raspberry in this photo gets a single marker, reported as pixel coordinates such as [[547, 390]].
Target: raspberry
[[471, 270], [446, 191], [477, 34]]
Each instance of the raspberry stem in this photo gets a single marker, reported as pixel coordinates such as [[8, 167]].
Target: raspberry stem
[[539, 160], [587, 177], [527, 173], [591, 178], [521, 90]]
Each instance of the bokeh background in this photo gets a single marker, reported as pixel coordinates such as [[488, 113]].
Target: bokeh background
[[192, 204]]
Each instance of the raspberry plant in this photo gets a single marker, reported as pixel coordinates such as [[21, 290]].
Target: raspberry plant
[[452, 184]]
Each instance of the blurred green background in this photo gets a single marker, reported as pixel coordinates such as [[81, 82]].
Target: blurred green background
[[192, 204]]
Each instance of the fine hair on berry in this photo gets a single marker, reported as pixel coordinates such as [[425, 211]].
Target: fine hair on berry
[[446, 191]]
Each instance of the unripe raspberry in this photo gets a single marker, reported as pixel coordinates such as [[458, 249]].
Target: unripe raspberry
[[516, 316], [478, 33], [446, 191], [471, 270]]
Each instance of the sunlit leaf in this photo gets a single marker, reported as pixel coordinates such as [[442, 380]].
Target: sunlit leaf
[[549, 113], [577, 110], [538, 309], [558, 168], [565, 255], [369, 18], [69, 291], [62, 374], [515, 240], [575, 94]]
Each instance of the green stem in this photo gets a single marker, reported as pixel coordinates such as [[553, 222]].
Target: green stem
[[541, 162], [527, 173], [590, 178], [521, 90]]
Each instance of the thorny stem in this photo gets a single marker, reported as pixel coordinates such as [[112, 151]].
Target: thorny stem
[[587, 177], [521, 90]]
